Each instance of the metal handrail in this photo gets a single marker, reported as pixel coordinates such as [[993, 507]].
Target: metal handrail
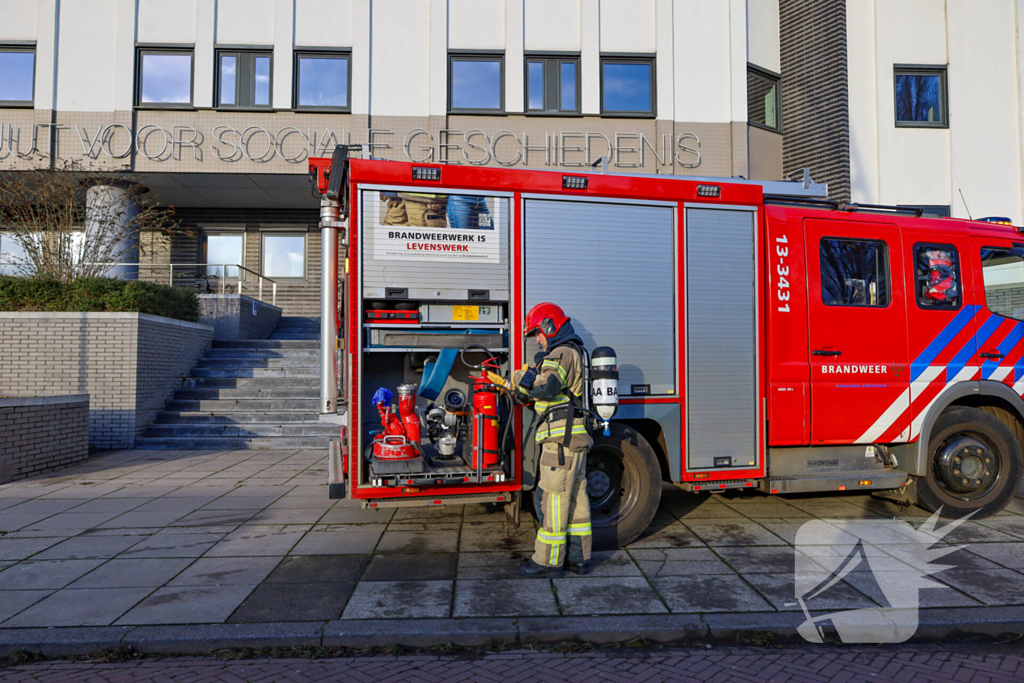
[[222, 278]]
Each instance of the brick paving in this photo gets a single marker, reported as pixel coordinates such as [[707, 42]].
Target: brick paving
[[808, 664], [138, 538]]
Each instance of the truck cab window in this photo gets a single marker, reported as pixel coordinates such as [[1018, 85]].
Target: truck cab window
[[937, 276], [1003, 272], [854, 272]]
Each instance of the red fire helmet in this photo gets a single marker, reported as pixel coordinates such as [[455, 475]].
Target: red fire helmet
[[546, 318]]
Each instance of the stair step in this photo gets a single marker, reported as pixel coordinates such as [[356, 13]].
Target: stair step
[[227, 444], [248, 392], [240, 382], [294, 354], [293, 373], [258, 363], [249, 405], [265, 344], [246, 430], [197, 417]]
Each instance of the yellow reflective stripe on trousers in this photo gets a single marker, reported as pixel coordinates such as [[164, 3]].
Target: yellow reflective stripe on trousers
[[550, 538], [577, 430], [581, 529], [556, 366]]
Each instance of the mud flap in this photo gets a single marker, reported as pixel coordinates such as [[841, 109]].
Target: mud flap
[[513, 508]]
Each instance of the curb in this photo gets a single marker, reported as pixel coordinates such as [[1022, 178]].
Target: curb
[[940, 624]]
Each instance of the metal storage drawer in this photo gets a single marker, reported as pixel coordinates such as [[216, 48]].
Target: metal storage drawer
[[416, 338]]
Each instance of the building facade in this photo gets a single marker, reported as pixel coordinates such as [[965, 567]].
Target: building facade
[[217, 104]]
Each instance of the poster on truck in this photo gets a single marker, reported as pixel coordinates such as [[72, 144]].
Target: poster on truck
[[434, 227]]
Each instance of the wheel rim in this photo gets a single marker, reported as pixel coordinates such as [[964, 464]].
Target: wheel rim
[[612, 486], [967, 466]]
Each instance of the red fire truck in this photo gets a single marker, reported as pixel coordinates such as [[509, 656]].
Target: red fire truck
[[765, 338]]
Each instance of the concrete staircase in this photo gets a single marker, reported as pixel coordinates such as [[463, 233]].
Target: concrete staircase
[[260, 394]]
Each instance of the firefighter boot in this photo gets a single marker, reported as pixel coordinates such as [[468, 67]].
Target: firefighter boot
[[532, 570]]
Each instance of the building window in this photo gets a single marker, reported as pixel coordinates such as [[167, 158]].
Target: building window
[[243, 79], [284, 255], [552, 85], [164, 78], [627, 86], [13, 257], [476, 84], [323, 81], [921, 98], [937, 276], [1002, 270], [222, 254], [17, 76], [763, 100], [854, 272]]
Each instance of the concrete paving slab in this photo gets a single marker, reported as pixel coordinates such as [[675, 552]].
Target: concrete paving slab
[[443, 513], [618, 595], [73, 521], [142, 520], [495, 565], [11, 521], [87, 607], [21, 548], [33, 574], [13, 602], [82, 547], [340, 540], [994, 588], [400, 600], [504, 598], [357, 633], [230, 502], [780, 591], [215, 517], [1009, 555], [437, 541], [490, 536], [759, 559], [288, 516], [188, 605], [226, 571], [319, 569], [940, 595], [118, 505], [733, 533], [417, 567], [179, 504], [708, 511], [674, 535], [137, 573], [41, 506], [272, 602], [256, 540], [712, 593], [609, 563], [172, 545], [655, 562]]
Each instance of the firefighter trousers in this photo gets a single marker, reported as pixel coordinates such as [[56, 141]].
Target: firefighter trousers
[[566, 508]]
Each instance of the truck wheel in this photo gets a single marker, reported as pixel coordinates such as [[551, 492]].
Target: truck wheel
[[975, 465], [623, 484]]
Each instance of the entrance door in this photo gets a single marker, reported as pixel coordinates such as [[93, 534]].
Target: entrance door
[[860, 384]]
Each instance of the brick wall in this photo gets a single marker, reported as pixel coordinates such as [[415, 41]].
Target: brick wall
[[129, 364], [42, 434], [1006, 300], [231, 316]]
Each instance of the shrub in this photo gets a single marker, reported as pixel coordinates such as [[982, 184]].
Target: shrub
[[98, 294]]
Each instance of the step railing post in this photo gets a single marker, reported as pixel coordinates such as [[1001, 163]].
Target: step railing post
[[330, 220]]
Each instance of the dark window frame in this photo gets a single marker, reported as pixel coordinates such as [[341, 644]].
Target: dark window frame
[[939, 70], [265, 233], [615, 58], [23, 48], [219, 232], [478, 56], [238, 53], [143, 50], [959, 277], [321, 53], [552, 62], [888, 271], [761, 72]]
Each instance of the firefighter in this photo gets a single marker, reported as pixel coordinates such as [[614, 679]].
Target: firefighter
[[554, 384], [416, 209]]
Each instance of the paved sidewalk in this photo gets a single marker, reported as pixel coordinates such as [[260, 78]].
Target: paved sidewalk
[[136, 544], [907, 664]]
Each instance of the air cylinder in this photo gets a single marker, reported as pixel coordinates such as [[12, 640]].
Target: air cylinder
[[604, 392]]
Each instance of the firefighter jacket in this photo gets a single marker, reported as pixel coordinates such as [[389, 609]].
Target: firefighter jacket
[[558, 389]]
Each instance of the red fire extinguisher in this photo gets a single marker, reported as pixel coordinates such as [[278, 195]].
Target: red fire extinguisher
[[485, 411]]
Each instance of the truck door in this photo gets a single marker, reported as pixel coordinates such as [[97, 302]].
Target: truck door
[[857, 331]]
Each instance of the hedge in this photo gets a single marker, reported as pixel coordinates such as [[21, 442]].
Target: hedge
[[98, 294]]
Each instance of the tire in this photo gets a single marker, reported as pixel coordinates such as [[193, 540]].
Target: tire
[[619, 514], [989, 455]]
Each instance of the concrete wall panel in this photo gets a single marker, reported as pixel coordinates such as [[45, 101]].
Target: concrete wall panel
[[628, 26], [323, 23], [475, 24], [245, 22], [553, 25], [167, 21]]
